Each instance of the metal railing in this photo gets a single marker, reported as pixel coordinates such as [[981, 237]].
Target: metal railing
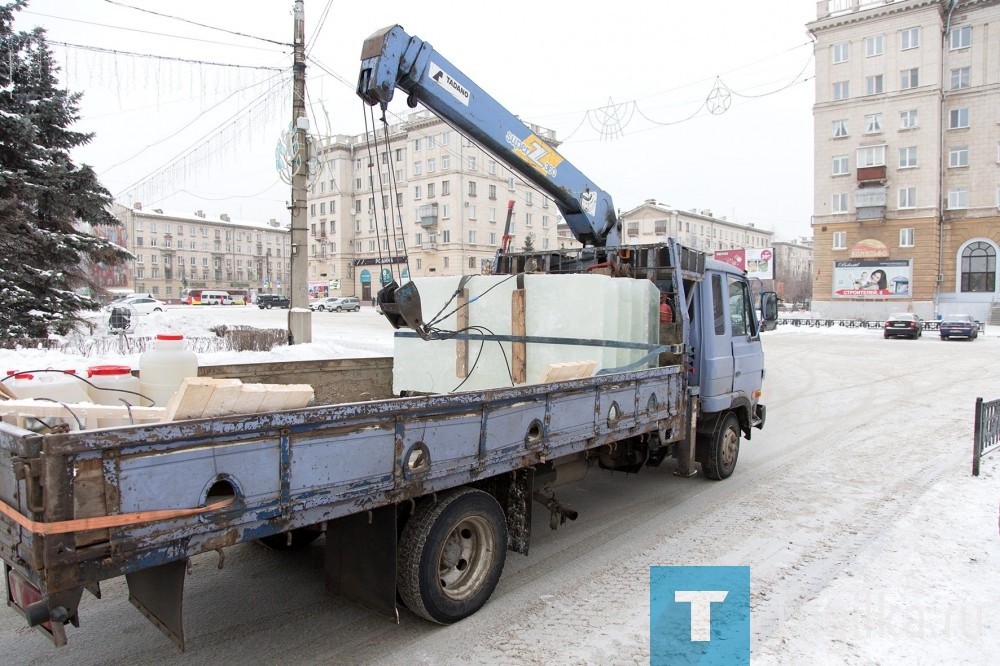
[[927, 325], [987, 433]]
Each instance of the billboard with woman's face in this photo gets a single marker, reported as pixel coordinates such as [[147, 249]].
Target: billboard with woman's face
[[881, 278]]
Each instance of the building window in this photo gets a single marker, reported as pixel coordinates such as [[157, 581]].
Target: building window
[[431, 165], [418, 168], [841, 52], [472, 211], [472, 162], [958, 118], [958, 156], [472, 188], [841, 90], [908, 198], [416, 191], [907, 119], [430, 190], [445, 162], [874, 46], [873, 123], [906, 237], [958, 198], [909, 78], [960, 38], [839, 129], [445, 236], [493, 191], [908, 157], [839, 240], [472, 236], [871, 156], [873, 84], [960, 78], [445, 188], [840, 203], [979, 267], [416, 145], [909, 39], [841, 165]]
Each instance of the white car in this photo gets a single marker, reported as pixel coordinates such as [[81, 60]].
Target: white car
[[140, 304]]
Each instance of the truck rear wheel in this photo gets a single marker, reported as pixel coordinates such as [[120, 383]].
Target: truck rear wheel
[[718, 450], [451, 555]]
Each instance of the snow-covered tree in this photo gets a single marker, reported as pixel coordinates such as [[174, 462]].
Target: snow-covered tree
[[48, 204]]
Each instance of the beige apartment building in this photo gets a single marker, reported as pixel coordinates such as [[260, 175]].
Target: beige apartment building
[[653, 222], [427, 202], [177, 251], [907, 157]]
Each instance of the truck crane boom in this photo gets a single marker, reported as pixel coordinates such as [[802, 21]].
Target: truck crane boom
[[393, 59]]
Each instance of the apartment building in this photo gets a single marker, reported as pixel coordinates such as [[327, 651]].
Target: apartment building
[[423, 202], [907, 157], [177, 251], [654, 222]]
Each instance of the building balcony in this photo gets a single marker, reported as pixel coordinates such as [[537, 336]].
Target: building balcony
[[428, 246], [428, 215], [872, 174], [870, 203]]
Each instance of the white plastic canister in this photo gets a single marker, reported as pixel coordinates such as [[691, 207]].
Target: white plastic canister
[[112, 385], [162, 369], [59, 385]]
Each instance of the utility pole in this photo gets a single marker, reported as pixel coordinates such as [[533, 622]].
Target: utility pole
[[299, 314]]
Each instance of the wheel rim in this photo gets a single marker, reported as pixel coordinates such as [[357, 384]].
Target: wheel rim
[[465, 558], [730, 448]]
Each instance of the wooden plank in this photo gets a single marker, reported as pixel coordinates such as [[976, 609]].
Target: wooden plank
[[248, 402], [559, 372], [285, 396], [88, 499], [223, 399], [194, 394], [42, 409], [461, 324], [519, 356]]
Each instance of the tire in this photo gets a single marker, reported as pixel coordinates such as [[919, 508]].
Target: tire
[[944, 337], [300, 538], [718, 451], [451, 555], [322, 308], [338, 309], [267, 305], [157, 309], [885, 335]]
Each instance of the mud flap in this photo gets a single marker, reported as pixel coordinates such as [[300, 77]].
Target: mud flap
[[158, 593], [361, 560]]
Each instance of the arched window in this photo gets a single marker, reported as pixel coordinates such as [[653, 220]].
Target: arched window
[[979, 267]]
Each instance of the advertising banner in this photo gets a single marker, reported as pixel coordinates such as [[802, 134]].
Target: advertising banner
[[319, 288], [877, 278], [758, 262]]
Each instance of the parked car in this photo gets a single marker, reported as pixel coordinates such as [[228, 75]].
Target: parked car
[[958, 326], [268, 301], [139, 304], [337, 304], [903, 325]]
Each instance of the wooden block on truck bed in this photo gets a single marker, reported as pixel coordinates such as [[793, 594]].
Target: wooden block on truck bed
[[285, 396], [560, 372], [195, 396]]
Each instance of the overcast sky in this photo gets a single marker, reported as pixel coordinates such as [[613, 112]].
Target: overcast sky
[[625, 88]]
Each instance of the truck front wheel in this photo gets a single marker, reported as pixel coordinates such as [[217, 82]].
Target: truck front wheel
[[718, 450], [451, 555]]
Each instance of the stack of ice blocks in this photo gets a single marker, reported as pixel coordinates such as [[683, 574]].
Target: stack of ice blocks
[[570, 307]]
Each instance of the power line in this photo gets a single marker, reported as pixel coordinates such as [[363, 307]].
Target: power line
[[147, 32], [200, 25], [98, 49]]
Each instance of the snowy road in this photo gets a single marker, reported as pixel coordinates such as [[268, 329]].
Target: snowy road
[[867, 537]]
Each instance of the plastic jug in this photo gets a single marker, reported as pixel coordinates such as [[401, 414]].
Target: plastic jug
[[58, 385], [112, 385], [162, 369]]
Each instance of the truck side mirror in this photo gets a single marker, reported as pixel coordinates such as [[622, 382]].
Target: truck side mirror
[[769, 306]]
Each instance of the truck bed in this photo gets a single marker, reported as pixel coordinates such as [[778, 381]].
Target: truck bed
[[297, 468]]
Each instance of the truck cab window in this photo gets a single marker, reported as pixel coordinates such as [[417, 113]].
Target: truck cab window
[[740, 309], [718, 311]]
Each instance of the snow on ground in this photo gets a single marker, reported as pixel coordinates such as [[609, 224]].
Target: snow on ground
[[869, 540]]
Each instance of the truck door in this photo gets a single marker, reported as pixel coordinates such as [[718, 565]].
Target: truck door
[[748, 362]]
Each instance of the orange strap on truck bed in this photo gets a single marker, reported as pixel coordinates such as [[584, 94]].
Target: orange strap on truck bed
[[103, 522]]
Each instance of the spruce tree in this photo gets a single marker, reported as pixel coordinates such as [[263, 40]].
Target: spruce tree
[[48, 204]]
